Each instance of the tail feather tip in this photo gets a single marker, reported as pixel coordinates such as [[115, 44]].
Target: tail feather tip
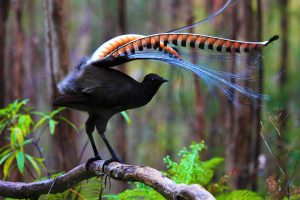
[[272, 39]]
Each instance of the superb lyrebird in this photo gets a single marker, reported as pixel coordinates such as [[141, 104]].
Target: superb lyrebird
[[103, 92]]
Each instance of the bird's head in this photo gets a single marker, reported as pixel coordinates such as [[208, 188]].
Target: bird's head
[[153, 81]]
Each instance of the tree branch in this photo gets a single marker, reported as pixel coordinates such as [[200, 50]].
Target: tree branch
[[149, 176]]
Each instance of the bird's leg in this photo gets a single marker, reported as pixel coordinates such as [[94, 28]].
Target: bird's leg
[[90, 127], [114, 157], [101, 130], [110, 149]]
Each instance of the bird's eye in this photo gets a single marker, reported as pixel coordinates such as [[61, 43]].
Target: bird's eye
[[152, 79]]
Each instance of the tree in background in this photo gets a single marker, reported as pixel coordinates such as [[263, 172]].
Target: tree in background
[[58, 64], [4, 9]]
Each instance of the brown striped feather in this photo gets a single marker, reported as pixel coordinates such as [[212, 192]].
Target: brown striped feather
[[210, 43], [161, 41], [202, 42], [183, 40], [236, 47], [219, 44]]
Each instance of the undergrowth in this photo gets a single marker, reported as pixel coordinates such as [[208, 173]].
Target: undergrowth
[[24, 127]]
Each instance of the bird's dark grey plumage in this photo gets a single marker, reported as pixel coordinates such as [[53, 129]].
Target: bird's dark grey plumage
[[103, 92]]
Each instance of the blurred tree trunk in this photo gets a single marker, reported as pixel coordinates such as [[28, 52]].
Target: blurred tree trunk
[[239, 145], [156, 19], [32, 61], [199, 125], [215, 137], [257, 121], [84, 33], [17, 64], [283, 71], [4, 9], [229, 110], [170, 144], [109, 24], [57, 58], [212, 7]]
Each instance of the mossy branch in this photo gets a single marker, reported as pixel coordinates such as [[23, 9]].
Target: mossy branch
[[144, 174]]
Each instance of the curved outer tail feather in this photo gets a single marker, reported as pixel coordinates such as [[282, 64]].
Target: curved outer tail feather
[[129, 44]]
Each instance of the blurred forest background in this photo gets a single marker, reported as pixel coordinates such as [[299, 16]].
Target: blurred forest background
[[41, 41]]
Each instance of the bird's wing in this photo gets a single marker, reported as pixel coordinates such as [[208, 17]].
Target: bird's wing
[[107, 87]]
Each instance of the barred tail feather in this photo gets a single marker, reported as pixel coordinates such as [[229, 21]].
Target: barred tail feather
[[155, 42]]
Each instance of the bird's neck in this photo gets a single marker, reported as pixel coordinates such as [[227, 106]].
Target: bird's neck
[[145, 94]]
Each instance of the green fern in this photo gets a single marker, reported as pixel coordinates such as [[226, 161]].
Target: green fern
[[239, 195], [140, 191], [85, 190], [188, 170]]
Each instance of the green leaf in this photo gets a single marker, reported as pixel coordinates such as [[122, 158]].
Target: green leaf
[[3, 125], [243, 195], [13, 138], [34, 164], [5, 157], [19, 135], [68, 122], [28, 141], [213, 163], [40, 122], [208, 170], [24, 101], [126, 117], [3, 149], [18, 104], [7, 165], [52, 124], [41, 162], [25, 121], [22, 119], [20, 160], [55, 112]]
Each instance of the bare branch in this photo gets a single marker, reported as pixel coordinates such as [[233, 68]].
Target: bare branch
[[149, 176]]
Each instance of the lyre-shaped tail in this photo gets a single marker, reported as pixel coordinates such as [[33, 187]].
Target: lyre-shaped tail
[[160, 47]]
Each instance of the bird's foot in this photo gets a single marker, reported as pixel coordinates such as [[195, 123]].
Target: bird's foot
[[107, 162], [89, 161]]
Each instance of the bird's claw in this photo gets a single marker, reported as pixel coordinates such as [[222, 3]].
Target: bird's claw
[[107, 162], [89, 161]]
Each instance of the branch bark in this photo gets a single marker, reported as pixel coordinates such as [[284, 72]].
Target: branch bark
[[149, 176]]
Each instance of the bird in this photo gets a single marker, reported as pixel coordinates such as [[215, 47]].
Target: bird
[[102, 93], [95, 87]]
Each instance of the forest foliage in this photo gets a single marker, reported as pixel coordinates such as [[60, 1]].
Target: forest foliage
[[252, 149]]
